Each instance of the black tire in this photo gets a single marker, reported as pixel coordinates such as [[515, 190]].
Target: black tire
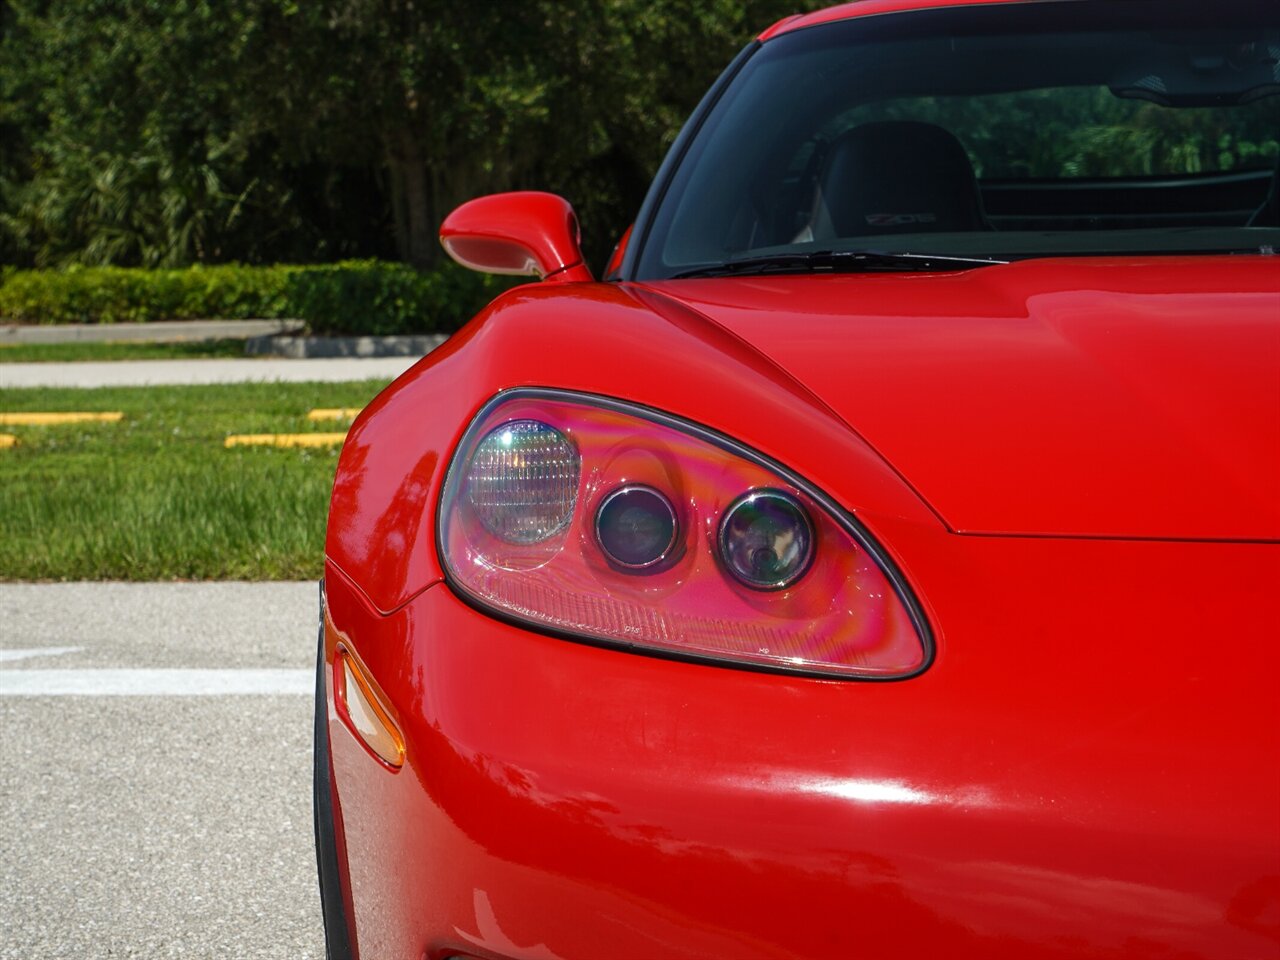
[[337, 937]]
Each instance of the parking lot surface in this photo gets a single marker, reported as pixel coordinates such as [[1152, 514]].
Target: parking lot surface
[[155, 754]]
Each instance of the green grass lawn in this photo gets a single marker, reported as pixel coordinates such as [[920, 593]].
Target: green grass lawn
[[127, 350], [157, 496]]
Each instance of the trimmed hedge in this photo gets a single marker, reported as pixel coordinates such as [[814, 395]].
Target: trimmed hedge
[[353, 297]]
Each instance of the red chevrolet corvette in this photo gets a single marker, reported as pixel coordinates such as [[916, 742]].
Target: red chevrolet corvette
[[882, 560]]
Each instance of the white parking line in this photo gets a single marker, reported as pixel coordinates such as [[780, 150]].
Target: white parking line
[[154, 683], [26, 653]]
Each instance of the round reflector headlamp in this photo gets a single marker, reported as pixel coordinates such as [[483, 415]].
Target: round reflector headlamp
[[522, 481]]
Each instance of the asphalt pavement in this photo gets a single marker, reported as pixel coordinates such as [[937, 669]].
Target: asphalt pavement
[[137, 373], [155, 741], [155, 769]]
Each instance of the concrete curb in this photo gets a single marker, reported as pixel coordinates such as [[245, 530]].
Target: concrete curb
[[146, 373], [305, 348], [167, 331]]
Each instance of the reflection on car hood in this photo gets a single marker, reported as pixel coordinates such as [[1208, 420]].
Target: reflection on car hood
[[1105, 398]]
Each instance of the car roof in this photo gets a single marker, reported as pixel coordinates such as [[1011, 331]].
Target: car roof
[[864, 8]]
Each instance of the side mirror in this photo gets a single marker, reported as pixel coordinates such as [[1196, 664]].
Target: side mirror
[[526, 232]]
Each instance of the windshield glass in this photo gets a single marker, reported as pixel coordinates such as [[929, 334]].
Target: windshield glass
[[1000, 131]]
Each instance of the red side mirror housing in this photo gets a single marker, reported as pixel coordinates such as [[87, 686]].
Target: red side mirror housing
[[525, 232]]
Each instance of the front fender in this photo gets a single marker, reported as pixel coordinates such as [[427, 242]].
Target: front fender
[[615, 340]]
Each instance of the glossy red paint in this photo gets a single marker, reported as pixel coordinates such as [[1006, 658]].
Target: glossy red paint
[[1084, 769], [863, 8], [619, 251], [958, 377], [381, 524], [525, 232], [1091, 398], [1072, 462], [1071, 778]]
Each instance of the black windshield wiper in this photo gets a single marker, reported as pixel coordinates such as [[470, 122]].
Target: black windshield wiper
[[837, 261]]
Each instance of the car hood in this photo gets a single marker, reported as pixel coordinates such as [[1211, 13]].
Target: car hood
[[1093, 398]]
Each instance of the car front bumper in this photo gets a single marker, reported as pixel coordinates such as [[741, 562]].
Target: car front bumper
[[1088, 768]]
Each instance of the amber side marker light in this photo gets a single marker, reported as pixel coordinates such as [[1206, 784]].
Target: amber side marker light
[[365, 713]]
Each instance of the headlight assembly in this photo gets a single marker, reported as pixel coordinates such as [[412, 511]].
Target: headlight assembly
[[622, 526]]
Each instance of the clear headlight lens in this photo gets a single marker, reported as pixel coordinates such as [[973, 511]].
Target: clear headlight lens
[[621, 526]]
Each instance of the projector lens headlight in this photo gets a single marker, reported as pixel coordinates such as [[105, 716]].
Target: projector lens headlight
[[636, 527], [766, 539]]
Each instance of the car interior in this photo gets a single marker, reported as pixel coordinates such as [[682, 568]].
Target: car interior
[[889, 177]]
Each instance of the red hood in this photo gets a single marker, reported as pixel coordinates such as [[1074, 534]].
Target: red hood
[[1100, 398]]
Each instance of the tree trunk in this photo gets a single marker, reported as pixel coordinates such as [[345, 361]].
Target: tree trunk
[[411, 198], [399, 215]]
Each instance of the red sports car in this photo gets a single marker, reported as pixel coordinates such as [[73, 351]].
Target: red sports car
[[881, 560]]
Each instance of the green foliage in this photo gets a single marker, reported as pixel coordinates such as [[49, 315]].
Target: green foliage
[[386, 298], [352, 297], [163, 133], [131, 295], [134, 134], [168, 132]]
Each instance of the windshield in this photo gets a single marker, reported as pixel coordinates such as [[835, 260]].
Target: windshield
[[998, 132]]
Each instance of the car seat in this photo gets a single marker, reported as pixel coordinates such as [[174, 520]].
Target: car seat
[[894, 177]]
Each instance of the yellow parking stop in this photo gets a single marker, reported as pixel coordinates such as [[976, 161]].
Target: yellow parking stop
[[56, 419], [334, 413], [284, 439]]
